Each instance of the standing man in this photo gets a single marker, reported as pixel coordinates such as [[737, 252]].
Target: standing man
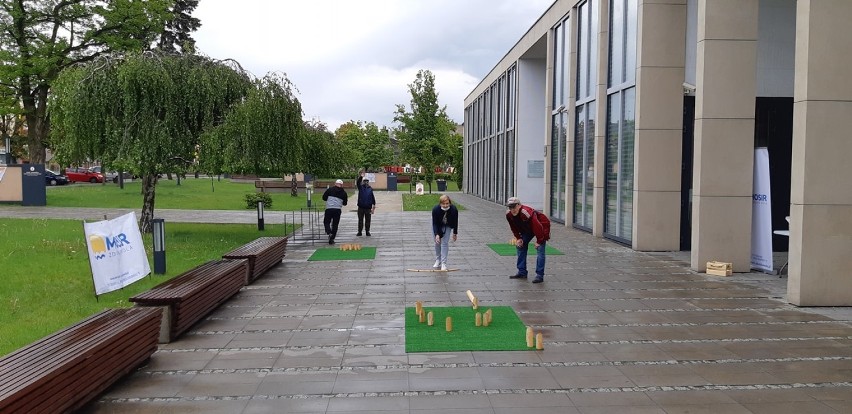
[[526, 223], [366, 203], [335, 198]]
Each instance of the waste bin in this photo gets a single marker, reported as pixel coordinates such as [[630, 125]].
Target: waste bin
[[442, 184], [391, 182]]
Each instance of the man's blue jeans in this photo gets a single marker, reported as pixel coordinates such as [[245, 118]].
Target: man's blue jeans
[[522, 256]]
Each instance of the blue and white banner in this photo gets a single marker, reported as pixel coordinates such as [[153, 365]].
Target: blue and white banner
[[761, 214], [116, 253]]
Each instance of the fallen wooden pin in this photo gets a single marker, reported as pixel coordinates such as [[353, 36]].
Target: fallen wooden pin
[[473, 299], [431, 270]]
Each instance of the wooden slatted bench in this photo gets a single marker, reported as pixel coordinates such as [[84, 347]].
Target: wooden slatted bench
[[190, 296], [262, 254], [276, 186], [67, 369]]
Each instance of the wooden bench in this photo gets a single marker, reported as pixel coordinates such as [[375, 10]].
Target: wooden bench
[[276, 186], [262, 254], [190, 296], [67, 369]]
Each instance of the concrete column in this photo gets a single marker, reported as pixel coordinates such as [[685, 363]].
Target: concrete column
[[660, 57], [724, 132], [821, 193], [602, 66]]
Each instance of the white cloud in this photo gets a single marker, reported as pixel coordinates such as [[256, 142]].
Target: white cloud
[[353, 60]]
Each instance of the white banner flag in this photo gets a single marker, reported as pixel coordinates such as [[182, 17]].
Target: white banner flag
[[761, 214], [116, 253]]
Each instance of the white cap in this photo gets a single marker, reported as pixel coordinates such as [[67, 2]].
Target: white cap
[[513, 201], [339, 182]]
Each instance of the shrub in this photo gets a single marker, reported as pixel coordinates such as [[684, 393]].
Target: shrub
[[253, 198]]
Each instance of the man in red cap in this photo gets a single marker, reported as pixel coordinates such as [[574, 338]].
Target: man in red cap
[[527, 223]]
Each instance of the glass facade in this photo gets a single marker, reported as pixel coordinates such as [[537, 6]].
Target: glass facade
[[490, 140], [621, 121], [584, 126], [559, 120]]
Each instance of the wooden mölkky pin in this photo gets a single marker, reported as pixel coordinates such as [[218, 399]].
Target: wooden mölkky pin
[[539, 341], [478, 319], [530, 340], [449, 324], [473, 299], [430, 319], [418, 308]]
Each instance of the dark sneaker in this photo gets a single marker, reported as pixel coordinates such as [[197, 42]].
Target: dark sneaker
[[368, 234], [518, 276], [538, 279], [359, 234]]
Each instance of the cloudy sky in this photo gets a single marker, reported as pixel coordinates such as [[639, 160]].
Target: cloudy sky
[[353, 59]]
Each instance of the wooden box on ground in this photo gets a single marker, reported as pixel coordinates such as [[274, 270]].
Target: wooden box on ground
[[719, 268], [262, 254], [66, 370], [190, 296]]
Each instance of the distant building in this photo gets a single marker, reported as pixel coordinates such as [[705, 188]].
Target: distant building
[[637, 121]]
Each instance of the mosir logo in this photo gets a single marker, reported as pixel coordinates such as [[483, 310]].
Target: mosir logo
[[106, 246], [760, 197]]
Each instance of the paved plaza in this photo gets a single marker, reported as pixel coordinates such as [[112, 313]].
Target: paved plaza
[[624, 332]]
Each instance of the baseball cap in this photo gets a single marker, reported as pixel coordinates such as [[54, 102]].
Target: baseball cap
[[366, 180], [339, 182], [513, 201]]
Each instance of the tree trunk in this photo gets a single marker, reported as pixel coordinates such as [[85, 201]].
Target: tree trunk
[[35, 113], [294, 191], [149, 184]]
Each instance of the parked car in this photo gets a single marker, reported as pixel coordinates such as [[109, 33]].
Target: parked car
[[83, 175], [54, 178], [111, 176]]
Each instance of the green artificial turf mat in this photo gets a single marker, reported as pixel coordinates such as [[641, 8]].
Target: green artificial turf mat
[[334, 253], [506, 249], [505, 333]]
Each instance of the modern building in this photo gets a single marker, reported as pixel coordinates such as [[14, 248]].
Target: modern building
[[638, 121]]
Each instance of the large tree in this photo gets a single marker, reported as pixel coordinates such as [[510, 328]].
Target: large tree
[[367, 145], [264, 134], [146, 112], [40, 38], [424, 131]]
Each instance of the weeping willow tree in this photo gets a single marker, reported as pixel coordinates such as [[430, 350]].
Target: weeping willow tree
[[144, 113], [264, 134]]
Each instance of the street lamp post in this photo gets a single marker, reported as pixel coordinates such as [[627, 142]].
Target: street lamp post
[[159, 228], [260, 215]]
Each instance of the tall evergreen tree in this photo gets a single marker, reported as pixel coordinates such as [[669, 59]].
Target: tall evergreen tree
[[177, 34]]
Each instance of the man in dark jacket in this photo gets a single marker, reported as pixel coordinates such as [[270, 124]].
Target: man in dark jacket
[[335, 198], [526, 224], [366, 204]]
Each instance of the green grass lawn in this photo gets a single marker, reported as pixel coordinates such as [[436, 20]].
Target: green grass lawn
[[191, 194], [47, 282]]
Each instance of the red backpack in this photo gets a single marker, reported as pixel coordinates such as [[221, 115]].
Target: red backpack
[[545, 222]]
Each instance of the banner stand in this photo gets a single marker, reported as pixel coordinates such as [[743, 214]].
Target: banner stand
[[761, 214]]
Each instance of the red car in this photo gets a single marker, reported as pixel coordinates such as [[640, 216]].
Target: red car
[[83, 175]]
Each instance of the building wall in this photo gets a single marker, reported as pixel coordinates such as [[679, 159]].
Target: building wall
[[530, 131], [729, 55]]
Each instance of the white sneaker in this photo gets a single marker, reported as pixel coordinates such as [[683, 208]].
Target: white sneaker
[[437, 264], [443, 267]]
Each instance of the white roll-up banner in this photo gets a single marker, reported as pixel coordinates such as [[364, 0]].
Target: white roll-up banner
[[761, 214], [116, 253]]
